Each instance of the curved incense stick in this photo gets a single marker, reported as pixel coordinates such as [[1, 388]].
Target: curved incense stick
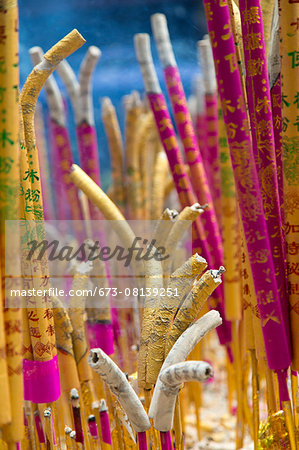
[[121, 388], [56, 108], [179, 352], [192, 305], [86, 70], [161, 170], [163, 226], [113, 133], [28, 100], [180, 283], [179, 373], [72, 86], [153, 281], [105, 205], [181, 225]]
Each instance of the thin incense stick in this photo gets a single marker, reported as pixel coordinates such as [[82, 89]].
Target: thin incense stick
[[162, 406], [77, 416], [11, 383], [62, 157], [164, 124], [212, 245], [120, 387]]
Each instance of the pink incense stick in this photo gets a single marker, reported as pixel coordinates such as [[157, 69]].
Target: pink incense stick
[[263, 143], [142, 442], [92, 426], [200, 114], [39, 428], [105, 424], [210, 153], [166, 131], [63, 162], [194, 159], [247, 185], [165, 437]]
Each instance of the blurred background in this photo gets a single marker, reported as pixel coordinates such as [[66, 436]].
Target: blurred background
[[110, 25]]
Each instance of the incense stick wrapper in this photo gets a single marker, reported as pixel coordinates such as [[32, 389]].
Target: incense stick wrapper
[[247, 185], [290, 140], [259, 103]]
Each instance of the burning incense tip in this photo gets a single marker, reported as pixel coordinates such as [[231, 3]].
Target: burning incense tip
[[74, 394], [73, 434], [67, 430], [91, 418]]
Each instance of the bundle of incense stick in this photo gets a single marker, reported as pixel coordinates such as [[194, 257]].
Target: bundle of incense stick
[[101, 337]]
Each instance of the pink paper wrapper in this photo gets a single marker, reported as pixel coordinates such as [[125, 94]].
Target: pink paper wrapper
[[100, 335], [89, 159], [247, 185], [212, 239], [263, 144], [41, 380], [105, 427]]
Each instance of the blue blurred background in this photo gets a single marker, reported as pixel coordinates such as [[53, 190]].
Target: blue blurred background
[[111, 25]]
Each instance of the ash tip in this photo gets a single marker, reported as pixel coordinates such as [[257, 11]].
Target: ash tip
[[91, 418], [94, 356], [47, 413], [74, 394], [103, 406], [221, 270], [199, 258], [173, 214], [67, 430], [73, 434]]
